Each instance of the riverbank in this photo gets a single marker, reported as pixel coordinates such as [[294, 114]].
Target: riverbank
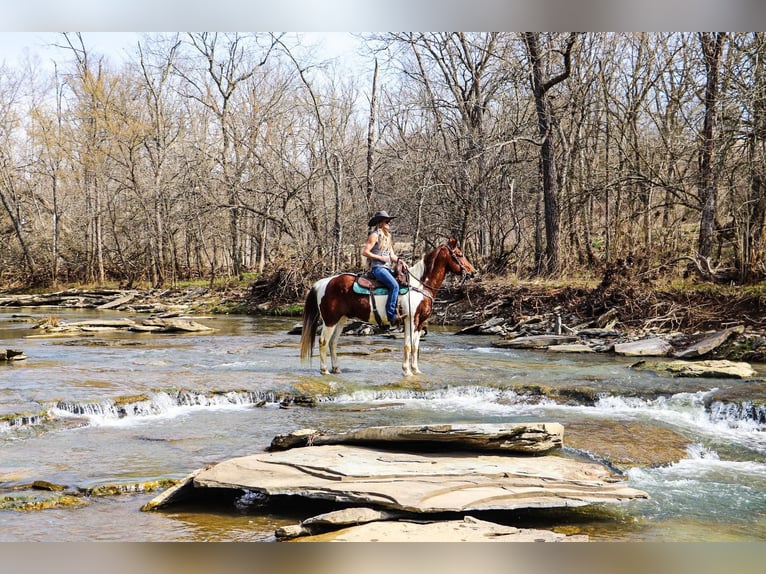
[[634, 305]]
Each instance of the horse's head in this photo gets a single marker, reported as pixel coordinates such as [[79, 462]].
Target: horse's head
[[458, 263]]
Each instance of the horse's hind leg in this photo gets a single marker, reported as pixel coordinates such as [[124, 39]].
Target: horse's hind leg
[[324, 339], [337, 330]]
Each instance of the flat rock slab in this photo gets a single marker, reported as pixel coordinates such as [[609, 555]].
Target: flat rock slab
[[709, 343], [654, 347], [469, 529], [411, 482], [523, 437]]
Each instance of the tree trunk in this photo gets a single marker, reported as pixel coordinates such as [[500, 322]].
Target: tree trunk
[[370, 187], [711, 49]]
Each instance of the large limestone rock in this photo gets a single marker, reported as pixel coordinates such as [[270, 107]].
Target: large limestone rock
[[413, 482], [714, 369], [523, 437]]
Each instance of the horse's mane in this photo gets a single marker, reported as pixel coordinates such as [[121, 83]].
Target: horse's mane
[[426, 263]]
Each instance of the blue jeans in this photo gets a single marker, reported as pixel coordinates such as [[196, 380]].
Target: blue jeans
[[385, 276]]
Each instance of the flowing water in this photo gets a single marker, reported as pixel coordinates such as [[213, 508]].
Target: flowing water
[[127, 409]]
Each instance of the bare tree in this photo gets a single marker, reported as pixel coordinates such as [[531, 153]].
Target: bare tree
[[545, 120], [227, 73]]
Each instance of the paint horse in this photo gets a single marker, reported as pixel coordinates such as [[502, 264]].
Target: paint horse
[[334, 300]]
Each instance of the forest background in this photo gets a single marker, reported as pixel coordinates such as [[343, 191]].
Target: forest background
[[229, 156]]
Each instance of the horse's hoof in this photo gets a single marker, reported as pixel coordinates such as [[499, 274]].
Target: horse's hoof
[[407, 373], [324, 372], [336, 370]]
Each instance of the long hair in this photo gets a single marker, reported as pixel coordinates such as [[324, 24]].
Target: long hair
[[385, 239]]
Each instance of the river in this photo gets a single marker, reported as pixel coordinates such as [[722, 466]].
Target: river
[[128, 408]]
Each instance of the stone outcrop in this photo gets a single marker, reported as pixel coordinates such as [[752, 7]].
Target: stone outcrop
[[417, 482]]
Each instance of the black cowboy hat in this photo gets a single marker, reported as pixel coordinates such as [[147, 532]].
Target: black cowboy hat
[[378, 217]]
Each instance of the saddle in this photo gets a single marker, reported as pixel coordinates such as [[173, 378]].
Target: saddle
[[366, 283]]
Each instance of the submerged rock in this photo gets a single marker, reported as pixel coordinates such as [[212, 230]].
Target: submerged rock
[[40, 502], [535, 341], [626, 444]]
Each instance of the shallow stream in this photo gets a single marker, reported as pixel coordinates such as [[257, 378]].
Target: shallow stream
[[129, 408]]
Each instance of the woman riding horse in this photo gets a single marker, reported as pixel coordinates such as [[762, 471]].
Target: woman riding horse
[[334, 300], [379, 250]]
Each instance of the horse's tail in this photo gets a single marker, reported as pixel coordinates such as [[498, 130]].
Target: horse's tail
[[310, 324]]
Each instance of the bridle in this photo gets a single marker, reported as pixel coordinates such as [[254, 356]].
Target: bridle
[[457, 259], [463, 274]]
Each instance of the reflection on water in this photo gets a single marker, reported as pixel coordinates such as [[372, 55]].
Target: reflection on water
[[116, 408]]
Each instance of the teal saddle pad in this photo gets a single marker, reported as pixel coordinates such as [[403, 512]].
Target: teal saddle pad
[[378, 290]]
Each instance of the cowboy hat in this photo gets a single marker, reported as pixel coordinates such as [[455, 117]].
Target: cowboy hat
[[378, 217]]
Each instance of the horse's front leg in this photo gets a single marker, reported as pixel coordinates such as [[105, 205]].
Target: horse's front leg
[[408, 330], [324, 339], [415, 350]]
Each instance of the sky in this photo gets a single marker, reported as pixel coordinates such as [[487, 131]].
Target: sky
[[383, 15], [118, 45]]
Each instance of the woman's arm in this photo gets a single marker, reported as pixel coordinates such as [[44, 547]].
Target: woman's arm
[[372, 239]]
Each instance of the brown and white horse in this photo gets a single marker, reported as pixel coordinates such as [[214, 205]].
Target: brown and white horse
[[333, 301]]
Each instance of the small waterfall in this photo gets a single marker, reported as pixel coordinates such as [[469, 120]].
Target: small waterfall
[[16, 421], [162, 402], [735, 412]]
